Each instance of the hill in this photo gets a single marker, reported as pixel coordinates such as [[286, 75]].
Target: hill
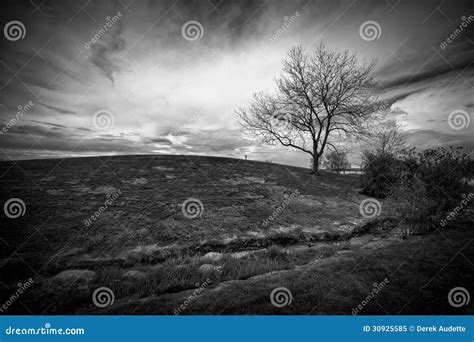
[[152, 229]]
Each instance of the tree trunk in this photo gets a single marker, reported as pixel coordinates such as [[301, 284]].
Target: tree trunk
[[315, 169], [316, 156]]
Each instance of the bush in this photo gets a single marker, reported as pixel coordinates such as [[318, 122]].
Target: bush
[[445, 172], [420, 185], [409, 203], [380, 171]]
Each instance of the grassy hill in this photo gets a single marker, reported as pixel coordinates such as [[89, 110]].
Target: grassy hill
[[122, 222]]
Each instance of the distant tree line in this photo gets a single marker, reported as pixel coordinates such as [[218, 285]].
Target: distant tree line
[[336, 161]]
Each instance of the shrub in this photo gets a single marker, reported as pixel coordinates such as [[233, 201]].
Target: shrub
[[445, 172], [380, 171], [420, 185], [409, 203]]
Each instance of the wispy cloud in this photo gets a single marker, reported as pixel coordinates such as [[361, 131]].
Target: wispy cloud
[[58, 109]]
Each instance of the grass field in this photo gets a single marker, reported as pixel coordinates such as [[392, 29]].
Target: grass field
[[264, 225]]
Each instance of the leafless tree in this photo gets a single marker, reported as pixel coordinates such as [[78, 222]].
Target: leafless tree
[[387, 138], [321, 96]]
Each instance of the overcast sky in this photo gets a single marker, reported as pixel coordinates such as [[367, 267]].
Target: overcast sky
[[170, 90]]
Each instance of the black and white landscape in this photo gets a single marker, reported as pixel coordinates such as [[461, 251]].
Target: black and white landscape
[[237, 157]]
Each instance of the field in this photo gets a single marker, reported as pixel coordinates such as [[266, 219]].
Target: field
[[122, 223]]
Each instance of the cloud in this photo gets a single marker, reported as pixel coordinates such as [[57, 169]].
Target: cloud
[[428, 138], [105, 48], [58, 109]]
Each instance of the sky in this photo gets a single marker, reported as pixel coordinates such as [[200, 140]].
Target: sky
[[85, 78]]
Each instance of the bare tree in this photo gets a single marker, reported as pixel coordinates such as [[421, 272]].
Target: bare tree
[[320, 97], [387, 138]]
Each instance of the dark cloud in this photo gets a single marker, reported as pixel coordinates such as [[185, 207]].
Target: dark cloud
[[104, 50], [430, 73], [48, 123], [58, 109], [427, 138], [158, 140]]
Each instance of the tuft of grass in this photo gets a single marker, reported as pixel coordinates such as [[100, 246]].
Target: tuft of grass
[[171, 276], [276, 253], [246, 268]]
